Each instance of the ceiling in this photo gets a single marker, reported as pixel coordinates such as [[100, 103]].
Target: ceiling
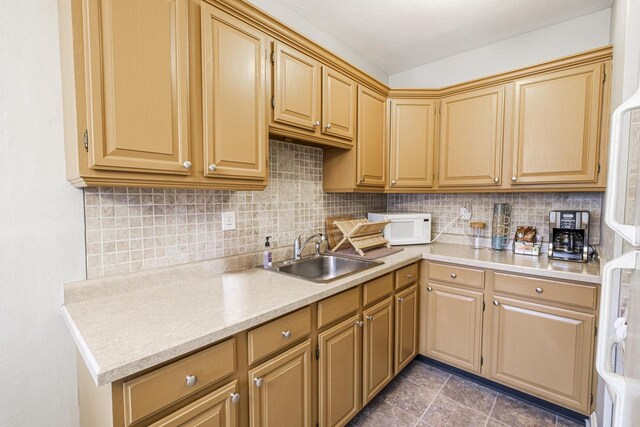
[[397, 35]]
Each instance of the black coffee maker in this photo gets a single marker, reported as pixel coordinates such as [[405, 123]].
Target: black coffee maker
[[569, 235]]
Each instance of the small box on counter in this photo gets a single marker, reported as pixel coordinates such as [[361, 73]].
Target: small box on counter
[[527, 241]]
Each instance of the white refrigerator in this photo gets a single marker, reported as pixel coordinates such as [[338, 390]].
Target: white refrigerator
[[618, 348]]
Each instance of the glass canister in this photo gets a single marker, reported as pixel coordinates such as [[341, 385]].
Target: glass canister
[[475, 236]]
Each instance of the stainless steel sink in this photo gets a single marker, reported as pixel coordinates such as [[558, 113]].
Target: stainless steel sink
[[324, 268]]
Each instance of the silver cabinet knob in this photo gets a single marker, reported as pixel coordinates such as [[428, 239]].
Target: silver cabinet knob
[[454, 275], [369, 317], [212, 167], [539, 290], [496, 180], [286, 334], [187, 164], [316, 123], [359, 323], [361, 180], [429, 288], [409, 276], [496, 303], [235, 397], [258, 382], [400, 299], [327, 126], [191, 380], [514, 179], [393, 182]]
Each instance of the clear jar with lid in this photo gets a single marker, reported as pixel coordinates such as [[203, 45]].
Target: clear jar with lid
[[475, 236]]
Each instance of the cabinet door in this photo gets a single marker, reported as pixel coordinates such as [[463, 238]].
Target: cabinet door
[[371, 140], [296, 85], [406, 346], [454, 326], [137, 87], [556, 127], [216, 409], [234, 96], [339, 373], [377, 348], [339, 97], [471, 135], [412, 143], [280, 390], [542, 350]]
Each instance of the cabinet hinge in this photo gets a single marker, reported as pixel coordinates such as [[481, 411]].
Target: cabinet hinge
[[483, 305], [595, 333], [85, 140], [591, 400], [273, 57], [317, 352], [598, 168], [273, 102], [481, 360], [604, 76]]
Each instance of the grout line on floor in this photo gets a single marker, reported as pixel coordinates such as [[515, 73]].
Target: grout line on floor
[[491, 411]]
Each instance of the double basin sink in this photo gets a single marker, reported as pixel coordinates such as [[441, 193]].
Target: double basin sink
[[324, 268]]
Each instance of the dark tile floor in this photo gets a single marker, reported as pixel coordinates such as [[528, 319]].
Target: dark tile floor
[[426, 396]]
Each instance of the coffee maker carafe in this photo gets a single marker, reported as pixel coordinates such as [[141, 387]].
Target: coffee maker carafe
[[569, 235]]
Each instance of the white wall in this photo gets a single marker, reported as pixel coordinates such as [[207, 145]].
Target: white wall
[[326, 40], [41, 224], [566, 38]]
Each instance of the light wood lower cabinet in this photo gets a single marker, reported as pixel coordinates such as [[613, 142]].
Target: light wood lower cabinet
[[280, 390], [217, 409], [406, 327], [377, 361], [339, 372], [454, 326], [543, 350]]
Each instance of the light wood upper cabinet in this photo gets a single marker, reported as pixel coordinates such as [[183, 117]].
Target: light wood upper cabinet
[[543, 350], [339, 373], [454, 326], [556, 127], [377, 346], [339, 97], [216, 409], [233, 96], [280, 390], [137, 119], [371, 149], [471, 135], [411, 146], [406, 327], [296, 88]]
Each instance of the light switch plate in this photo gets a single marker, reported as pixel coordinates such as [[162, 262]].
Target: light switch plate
[[228, 221]]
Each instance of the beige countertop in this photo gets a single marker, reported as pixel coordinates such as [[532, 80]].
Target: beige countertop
[[123, 325]]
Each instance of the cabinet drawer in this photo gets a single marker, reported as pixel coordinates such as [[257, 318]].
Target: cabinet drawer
[[456, 275], [547, 290], [338, 306], [406, 275], [151, 392], [377, 289], [278, 333]]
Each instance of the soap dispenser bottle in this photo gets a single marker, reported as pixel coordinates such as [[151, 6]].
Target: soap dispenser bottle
[[267, 256]]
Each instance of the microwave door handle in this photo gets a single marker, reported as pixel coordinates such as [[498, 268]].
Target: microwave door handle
[[616, 383], [629, 232]]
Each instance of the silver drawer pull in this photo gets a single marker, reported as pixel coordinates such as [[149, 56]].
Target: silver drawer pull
[[359, 323], [235, 397], [429, 288], [286, 334], [187, 164], [400, 299], [258, 382], [454, 275], [409, 276], [496, 303], [369, 317], [191, 380], [539, 290]]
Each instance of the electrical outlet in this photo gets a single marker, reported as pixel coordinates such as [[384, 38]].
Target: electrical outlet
[[228, 221], [465, 212]]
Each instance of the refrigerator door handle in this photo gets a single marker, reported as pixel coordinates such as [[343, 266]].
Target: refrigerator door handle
[[615, 383], [628, 232]]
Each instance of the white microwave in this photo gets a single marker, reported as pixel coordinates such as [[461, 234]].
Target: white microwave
[[405, 228]]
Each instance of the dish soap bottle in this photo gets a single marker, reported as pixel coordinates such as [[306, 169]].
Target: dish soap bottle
[[267, 256]]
